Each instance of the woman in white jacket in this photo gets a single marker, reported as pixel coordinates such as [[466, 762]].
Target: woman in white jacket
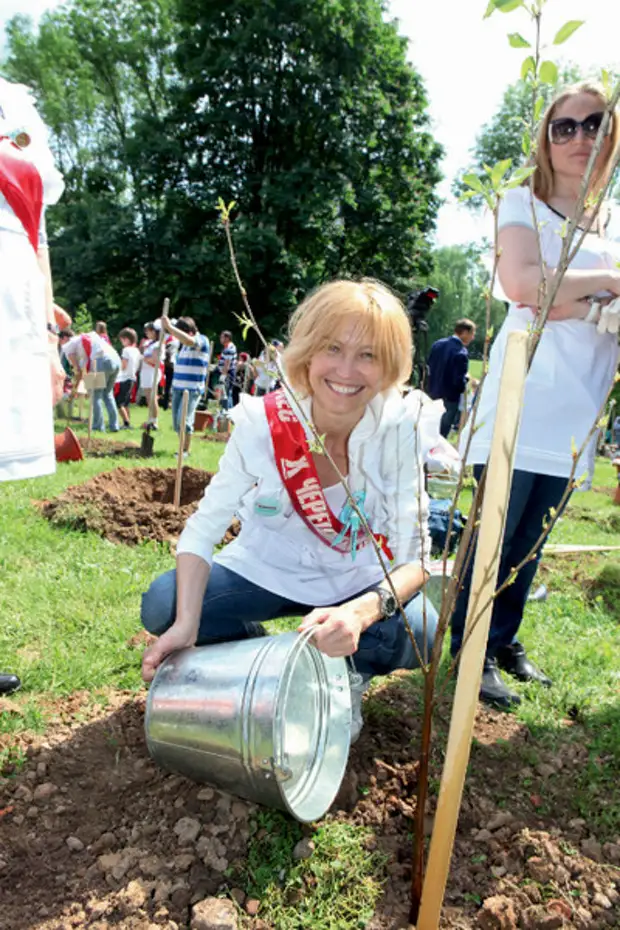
[[298, 552]]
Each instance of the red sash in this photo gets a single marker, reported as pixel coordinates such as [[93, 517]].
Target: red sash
[[87, 345], [299, 476], [21, 184]]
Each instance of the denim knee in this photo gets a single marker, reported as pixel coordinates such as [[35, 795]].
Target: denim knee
[[424, 630], [158, 608]]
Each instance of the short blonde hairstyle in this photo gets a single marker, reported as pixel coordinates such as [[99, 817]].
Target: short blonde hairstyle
[[382, 321], [543, 175]]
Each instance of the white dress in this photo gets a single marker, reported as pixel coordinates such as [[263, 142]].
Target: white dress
[[26, 415]]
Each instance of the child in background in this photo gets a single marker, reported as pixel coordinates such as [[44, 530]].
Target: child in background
[[190, 372], [130, 363]]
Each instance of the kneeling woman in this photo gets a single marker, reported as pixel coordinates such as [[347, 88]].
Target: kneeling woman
[[299, 551]]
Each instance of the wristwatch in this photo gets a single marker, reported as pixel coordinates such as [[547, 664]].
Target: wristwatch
[[387, 602]]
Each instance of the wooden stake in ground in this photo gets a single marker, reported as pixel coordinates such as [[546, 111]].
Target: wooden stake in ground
[[91, 398], [484, 582], [182, 425], [146, 447]]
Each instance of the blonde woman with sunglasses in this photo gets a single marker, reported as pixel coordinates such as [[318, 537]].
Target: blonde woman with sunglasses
[[574, 364]]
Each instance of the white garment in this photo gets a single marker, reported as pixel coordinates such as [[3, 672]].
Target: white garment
[[573, 366], [26, 419], [264, 377], [74, 350], [132, 355], [147, 372], [279, 552]]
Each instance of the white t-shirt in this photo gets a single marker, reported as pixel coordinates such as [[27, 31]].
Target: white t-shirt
[[573, 366], [275, 548], [147, 372], [76, 350], [132, 355]]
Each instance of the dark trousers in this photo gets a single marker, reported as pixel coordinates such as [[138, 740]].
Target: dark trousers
[[450, 417], [531, 498], [168, 375]]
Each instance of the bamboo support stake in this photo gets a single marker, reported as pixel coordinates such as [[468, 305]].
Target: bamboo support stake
[[160, 344], [91, 399], [484, 581], [182, 425]]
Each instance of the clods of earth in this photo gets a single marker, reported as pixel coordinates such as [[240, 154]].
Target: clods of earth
[[93, 835], [132, 505]]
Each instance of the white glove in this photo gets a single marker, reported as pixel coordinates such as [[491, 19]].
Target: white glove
[[609, 320]]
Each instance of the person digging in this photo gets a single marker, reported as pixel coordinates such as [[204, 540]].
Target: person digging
[[190, 372]]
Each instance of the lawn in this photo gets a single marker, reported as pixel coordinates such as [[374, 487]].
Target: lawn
[[70, 606]]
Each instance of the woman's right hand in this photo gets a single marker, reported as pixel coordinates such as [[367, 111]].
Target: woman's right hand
[[172, 640]]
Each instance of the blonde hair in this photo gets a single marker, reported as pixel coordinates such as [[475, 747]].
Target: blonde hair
[[381, 317], [543, 175]]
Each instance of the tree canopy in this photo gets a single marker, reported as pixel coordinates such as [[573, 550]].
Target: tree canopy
[[304, 112]]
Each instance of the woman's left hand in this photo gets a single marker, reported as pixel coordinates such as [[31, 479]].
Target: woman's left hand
[[338, 629]]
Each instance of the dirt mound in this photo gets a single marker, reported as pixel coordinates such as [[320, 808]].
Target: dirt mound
[[131, 505], [92, 834]]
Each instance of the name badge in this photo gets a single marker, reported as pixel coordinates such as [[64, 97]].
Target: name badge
[[267, 506]]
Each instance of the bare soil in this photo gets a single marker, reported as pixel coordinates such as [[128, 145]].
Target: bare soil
[[101, 448], [131, 505], [93, 835]]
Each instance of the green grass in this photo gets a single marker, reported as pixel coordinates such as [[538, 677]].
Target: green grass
[[70, 604], [317, 892]]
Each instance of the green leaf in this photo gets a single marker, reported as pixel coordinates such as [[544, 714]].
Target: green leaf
[[538, 108], [473, 181], [526, 143], [548, 72], [567, 30], [489, 9], [517, 178], [528, 67], [517, 41], [499, 170], [507, 6]]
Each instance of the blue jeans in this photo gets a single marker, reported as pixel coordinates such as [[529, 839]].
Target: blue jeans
[[234, 608], [105, 395], [177, 402], [531, 498]]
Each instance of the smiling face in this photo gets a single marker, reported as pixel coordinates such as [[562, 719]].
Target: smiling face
[[346, 374], [570, 159]]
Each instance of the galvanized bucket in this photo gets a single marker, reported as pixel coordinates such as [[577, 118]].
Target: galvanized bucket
[[268, 719]]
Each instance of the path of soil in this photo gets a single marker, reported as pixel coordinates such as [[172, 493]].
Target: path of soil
[[131, 505], [93, 835]]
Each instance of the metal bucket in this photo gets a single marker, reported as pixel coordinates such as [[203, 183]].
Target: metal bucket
[[268, 719]]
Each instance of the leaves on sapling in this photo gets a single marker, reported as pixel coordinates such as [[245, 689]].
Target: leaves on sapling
[[528, 67], [538, 108], [473, 181], [517, 178], [245, 323], [498, 171], [517, 41], [567, 30], [504, 6], [317, 446], [548, 72]]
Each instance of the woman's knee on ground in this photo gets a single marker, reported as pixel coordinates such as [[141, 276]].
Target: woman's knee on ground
[[158, 607]]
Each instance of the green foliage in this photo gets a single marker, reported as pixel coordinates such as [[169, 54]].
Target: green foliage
[[82, 320], [462, 279], [305, 113]]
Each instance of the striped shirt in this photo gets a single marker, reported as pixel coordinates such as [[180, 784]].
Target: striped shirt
[[229, 354], [190, 367]]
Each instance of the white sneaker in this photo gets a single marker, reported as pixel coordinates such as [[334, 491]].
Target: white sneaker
[[358, 685]]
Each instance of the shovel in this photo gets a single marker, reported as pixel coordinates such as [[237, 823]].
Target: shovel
[[148, 440]]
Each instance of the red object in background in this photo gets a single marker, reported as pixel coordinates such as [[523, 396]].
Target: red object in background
[[67, 447]]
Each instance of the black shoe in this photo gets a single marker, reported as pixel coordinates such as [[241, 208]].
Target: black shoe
[[9, 683], [493, 688], [513, 659]]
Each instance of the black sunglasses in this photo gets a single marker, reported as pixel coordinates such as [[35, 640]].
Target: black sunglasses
[[564, 129]]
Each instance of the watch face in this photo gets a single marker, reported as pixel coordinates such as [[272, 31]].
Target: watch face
[[390, 605]]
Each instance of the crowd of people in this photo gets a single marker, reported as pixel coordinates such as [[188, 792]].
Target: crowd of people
[[347, 363], [143, 371]]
